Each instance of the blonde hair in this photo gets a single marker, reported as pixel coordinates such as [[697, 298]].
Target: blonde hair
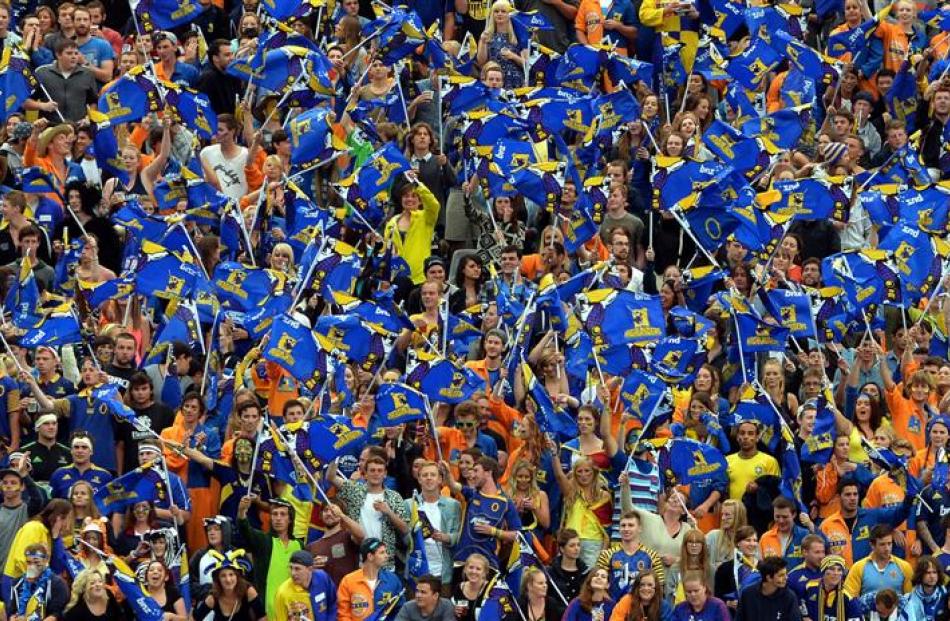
[[80, 584], [490, 22], [285, 247], [512, 486], [727, 539]]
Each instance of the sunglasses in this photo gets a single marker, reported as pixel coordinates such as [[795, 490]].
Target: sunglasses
[[465, 425]]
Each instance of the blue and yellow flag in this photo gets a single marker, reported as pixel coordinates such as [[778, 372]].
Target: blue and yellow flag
[[441, 379], [819, 445], [311, 137], [778, 131], [17, 81], [616, 317], [144, 484], [131, 97], [683, 461], [166, 275], [144, 607], [23, 298], [294, 347], [59, 326], [810, 198], [549, 417], [642, 393], [792, 309], [753, 64], [420, 529], [244, 288], [328, 438], [108, 395], [756, 335], [397, 404], [901, 98]]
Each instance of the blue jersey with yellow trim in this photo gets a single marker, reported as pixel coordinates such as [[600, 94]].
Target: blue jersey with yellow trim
[[496, 511]]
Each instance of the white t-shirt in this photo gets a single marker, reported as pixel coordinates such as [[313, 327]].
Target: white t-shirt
[[230, 172], [370, 519], [433, 547]]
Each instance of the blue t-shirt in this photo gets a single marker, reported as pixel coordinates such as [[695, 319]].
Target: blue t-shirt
[[64, 478], [99, 423], [496, 511], [97, 51]]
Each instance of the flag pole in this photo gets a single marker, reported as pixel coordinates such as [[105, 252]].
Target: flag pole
[[257, 449], [62, 119]]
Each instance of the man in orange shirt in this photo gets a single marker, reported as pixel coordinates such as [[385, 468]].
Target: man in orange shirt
[[370, 587], [784, 539]]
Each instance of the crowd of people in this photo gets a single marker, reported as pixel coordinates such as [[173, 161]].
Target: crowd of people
[[537, 310]]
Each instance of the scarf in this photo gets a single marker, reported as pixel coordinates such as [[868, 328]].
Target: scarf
[[27, 590], [823, 601], [929, 602]]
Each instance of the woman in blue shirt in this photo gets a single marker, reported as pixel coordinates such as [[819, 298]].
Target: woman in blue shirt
[[593, 604]]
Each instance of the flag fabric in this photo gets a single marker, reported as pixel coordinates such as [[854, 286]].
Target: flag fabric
[[549, 417], [328, 438], [23, 298], [17, 81], [294, 347], [819, 445], [398, 404], [689, 462], [57, 327], [792, 309], [441, 379], [615, 317], [420, 529], [144, 607], [144, 484], [756, 335], [131, 97], [642, 393], [108, 395]]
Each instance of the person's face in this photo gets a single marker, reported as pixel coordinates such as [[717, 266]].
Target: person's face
[[620, 247], [905, 12], [280, 259], [300, 574], [808, 421], [600, 579], [783, 519], [727, 517], [814, 554], [36, 566], [749, 545], [426, 598], [852, 12], [938, 436], [942, 102], [862, 109], [81, 452], [629, 529], [191, 410], [214, 534], [225, 133], [68, 60], [30, 24], [616, 175], [849, 498], [141, 394], [773, 376], [538, 585], [250, 419], [468, 425], [410, 201], [473, 270], [421, 141], [688, 126], [95, 15], [62, 144], [166, 51], [881, 440], [811, 274], [48, 430], [352, 7], [140, 511], [429, 296], [811, 387], [155, 573], [494, 79], [147, 456], [747, 436], [523, 479], [280, 519], [919, 392], [585, 422], [650, 107], [95, 586], [931, 576], [500, 15], [842, 447], [569, 194], [474, 571], [841, 124], [65, 17], [883, 547], [509, 263], [695, 594], [294, 414], [224, 56], [375, 473], [694, 547], [790, 245], [429, 479], [45, 20], [572, 549], [494, 347], [11, 486], [81, 22], [80, 496], [124, 351], [674, 146], [436, 272]]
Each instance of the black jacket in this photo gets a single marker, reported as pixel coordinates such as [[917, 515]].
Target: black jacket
[[754, 606]]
